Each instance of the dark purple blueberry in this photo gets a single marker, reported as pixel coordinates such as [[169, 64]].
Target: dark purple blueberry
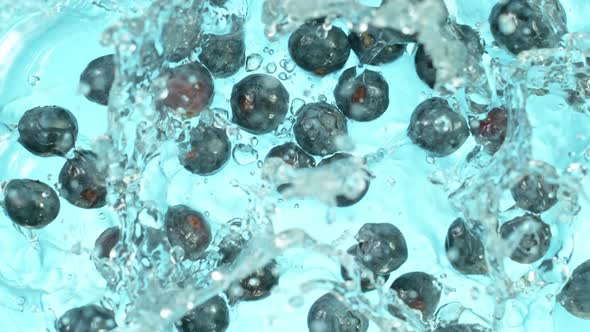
[[381, 247], [97, 79], [362, 96], [30, 203], [259, 103], [532, 234], [490, 132], [211, 316], [424, 67], [366, 283], [187, 229], [88, 318], [83, 181], [462, 328], [319, 128], [48, 130], [418, 290], [293, 155], [377, 46], [436, 128], [207, 151], [190, 89], [574, 296], [330, 314], [360, 179], [224, 55], [533, 193], [257, 285], [465, 250], [106, 241]]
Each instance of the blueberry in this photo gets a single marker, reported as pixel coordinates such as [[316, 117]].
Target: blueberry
[[224, 55], [30, 203], [574, 296], [211, 316], [330, 314], [464, 249], [381, 247], [97, 79], [293, 155], [520, 25], [424, 67], [106, 241], [88, 318], [419, 291], [319, 51], [366, 283], [259, 103], [362, 97], [207, 151], [190, 89], [257, 285], [533, 236], [533, 193], [319, 127], [359, 179], [436, 128], [232, 243], [490, 132], [462, 328], [83, 181], [377, 46], [187, 229], [48, 130]]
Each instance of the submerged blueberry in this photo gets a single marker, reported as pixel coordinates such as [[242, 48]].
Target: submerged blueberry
[[88, 318], [97, 79], [574, 296], [464, 249], [293, 155], [520, 25], [330, 314], [362, 97], [381, 247], [419, 291], [490, 131], [358, 179], [83, 181], [376, 46], [224, 55], [106, 241], [187, 229], [319, 127], [424, 67], [30, 203], [207, 151], [368, 283], [319, 51], [48, 130], [436, 128], [257, 285], [211, 316], [190, 89], [533, 236], [259, 103], [462, 328], [533, 193]]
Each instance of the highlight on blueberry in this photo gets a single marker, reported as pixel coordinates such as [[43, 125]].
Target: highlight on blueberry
[[30, 203], [256, 286], [97, 79], [48, 130], [362, 96], [328, 313], [187, 229], [82, 180], [106, 241], [319, 128]]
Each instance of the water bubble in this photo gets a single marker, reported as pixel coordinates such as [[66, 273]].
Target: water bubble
[[322, 98], [254, 141], [244, 154], [287, 65], [253, 62], [271, 68], [283, 76], [297, 103]]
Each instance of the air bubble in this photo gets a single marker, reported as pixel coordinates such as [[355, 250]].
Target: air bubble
[[253, 62], [271, 68], [244, 154]]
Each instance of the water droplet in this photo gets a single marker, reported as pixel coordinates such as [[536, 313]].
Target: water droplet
[[253, 62], [287, 65], [254, 141], [244, 154], [271, 68], [283, 76]]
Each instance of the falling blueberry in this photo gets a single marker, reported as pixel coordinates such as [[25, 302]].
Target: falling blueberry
[[106, 241], [88, 318], [82, 181], [30, 203], [190, 89], [359, 179], [367, 283], [490, 132], [436, 128], [187, 229], [377, 46], [257, 285], [319, 127], [259, 103], [97, 79], [328, 313], [574, 296], [533, 236], [48, 130], [207, 151], [464, 249], [462, 328], [520, 25], [381, 247], [224, 55], [211, 316], [534, 193], [319, 51], [362, 96], [419, 291]]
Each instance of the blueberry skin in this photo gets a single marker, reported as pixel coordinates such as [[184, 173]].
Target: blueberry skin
[[88, 318], [318, 55], [465, 250], [441, 141], [318, 127], [363, 97], [329, 314], [83, 182], [99, 76], [574, 296], [535, 240], [224, 55], [533, 193], [257, 285], [382, 247], [48, 130], [532, 29], [211, 316], [190, 89], [490, 132], [342, 200], [419, 291], [106, 241], [462, 328], [291, 154], [259, 103], [187, 229], [207, 151], [366, 283], [377, 46], [30, 203]]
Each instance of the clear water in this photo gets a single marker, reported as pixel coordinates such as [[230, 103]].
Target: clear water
[[44, 46]]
